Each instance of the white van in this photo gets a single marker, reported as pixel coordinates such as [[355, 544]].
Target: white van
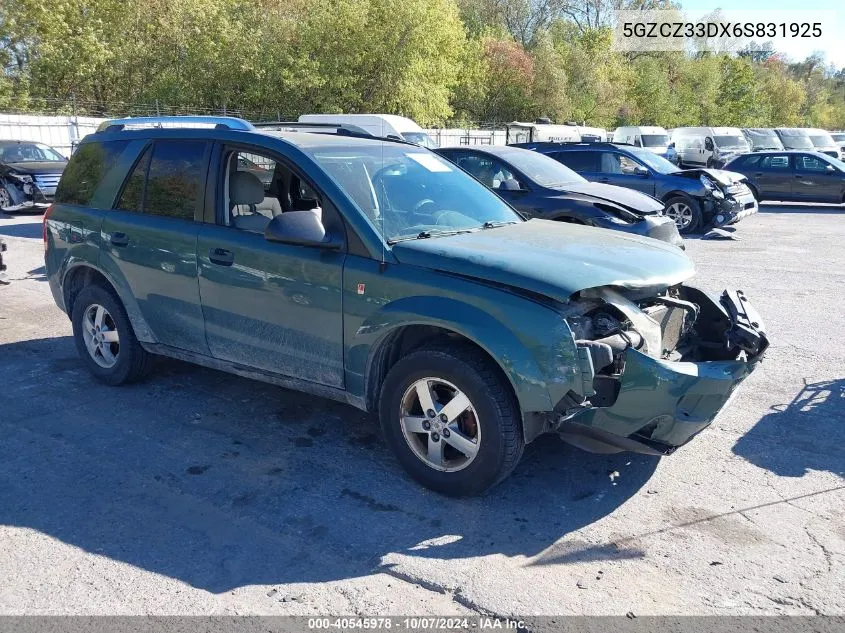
[[708, 146], [518, 132], [387, 125], [650, 137]]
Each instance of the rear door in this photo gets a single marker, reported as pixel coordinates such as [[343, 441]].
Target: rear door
[[150, 238], [271, 306], [773, 175], [816, 180], [583, 162]]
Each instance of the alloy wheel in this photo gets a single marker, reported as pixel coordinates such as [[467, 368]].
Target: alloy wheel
[[440, 424], [100, 334], [681, 214]]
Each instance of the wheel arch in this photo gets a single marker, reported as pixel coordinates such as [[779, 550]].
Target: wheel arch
[[375, 352], [80, 275]]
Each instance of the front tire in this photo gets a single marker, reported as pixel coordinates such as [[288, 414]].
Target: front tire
[[5, 199], [685, 212], [451, 419], [105, 339]]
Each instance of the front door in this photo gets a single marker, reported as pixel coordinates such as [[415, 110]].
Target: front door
[[270, 306], [624, 171], [816, 180], [150, 238]]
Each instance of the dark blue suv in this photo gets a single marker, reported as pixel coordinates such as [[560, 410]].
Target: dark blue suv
[[695, 198]]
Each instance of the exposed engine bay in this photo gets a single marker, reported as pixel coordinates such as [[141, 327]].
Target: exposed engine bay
[[682, 324]]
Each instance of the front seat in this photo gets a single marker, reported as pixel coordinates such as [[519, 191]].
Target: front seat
[[246, 193]]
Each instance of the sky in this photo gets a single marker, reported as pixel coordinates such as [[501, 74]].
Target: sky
[[831, 13]]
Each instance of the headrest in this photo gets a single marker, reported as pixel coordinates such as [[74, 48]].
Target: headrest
[[245, 188]]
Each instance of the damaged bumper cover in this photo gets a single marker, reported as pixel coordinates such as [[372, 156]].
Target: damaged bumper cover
[[655, 405], [25, 194], [734, 208]]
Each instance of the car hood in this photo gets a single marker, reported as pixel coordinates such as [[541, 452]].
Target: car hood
[[630, 199], [554, 259], [47, 167], [721, 176]]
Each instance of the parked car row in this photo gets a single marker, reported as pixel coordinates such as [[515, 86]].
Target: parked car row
[[379, 273], [694, 199]]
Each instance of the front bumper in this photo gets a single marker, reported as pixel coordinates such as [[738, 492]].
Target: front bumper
[[661, 405], [27, 196], [733, 209]]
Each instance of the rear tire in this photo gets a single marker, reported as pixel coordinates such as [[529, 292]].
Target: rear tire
[[686, 213], [476, 445], [105, 339]]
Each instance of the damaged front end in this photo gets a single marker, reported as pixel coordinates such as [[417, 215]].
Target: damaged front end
[[21, 192], [656, 370]]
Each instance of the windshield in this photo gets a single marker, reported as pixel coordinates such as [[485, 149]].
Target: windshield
[[764, 139], [840, 165], [545, 171], [407, 192], [655, 140], [839, 138], [29, 153], [732, 142], [420, 138], [821, 140], [795, 139], [657, 163]]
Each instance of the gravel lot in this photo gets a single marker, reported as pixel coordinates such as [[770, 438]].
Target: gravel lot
[[198, 492]]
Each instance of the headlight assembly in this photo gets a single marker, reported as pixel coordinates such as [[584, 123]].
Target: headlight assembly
[[21, 178], [712, 187]]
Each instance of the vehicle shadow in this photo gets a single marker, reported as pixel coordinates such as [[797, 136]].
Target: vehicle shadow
[[806, 434], [29, 230], [223, 482], [801, 207]]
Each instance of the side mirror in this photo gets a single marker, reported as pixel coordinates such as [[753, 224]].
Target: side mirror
[[708, 144], [510, 185], [672, 145], [641, 171], [829, 168], [302, 228]]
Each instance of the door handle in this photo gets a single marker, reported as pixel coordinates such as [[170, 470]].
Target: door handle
[[119, 239], [221, 256]]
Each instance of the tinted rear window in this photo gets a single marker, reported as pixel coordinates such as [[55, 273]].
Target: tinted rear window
[[579, 161], [86, 170], [174, 178]]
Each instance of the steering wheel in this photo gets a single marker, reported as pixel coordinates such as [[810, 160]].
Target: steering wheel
[[443, 215], [422, 203]]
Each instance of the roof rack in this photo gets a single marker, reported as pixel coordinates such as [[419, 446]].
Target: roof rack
[[341, 129], [217, 122]]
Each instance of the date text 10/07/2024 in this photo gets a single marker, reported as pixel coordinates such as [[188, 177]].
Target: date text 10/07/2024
[[416, 623]]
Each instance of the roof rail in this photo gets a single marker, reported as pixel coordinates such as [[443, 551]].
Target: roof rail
[[219, 122], [293, 126], [341, 129]]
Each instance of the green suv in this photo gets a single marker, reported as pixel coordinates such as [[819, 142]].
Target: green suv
[[379, 274]]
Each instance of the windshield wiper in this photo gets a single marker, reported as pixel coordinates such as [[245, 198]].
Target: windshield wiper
[[493, 225], [422, 235]]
